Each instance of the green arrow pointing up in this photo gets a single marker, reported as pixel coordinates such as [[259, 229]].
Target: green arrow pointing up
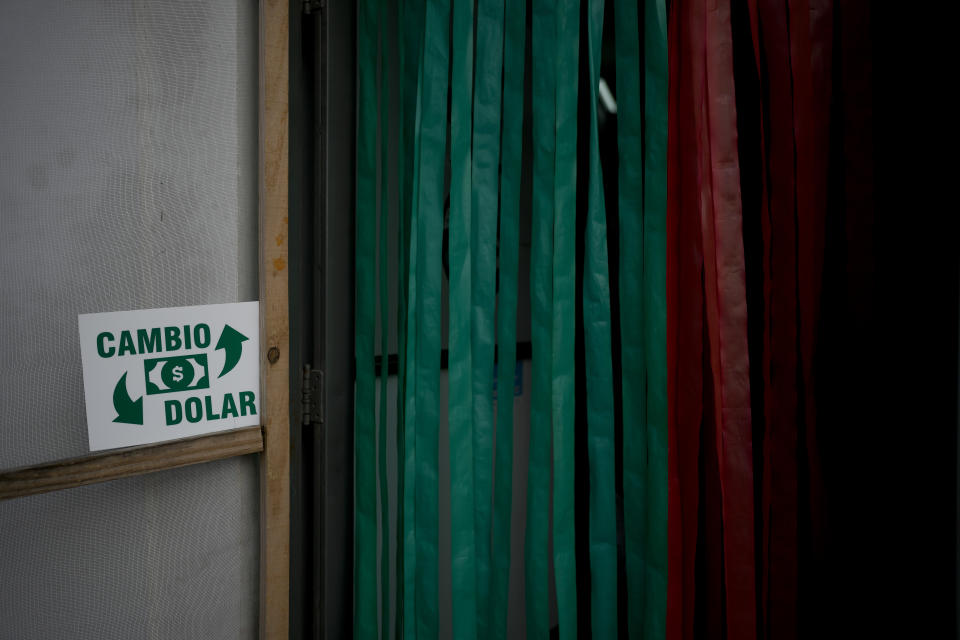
[[128, 411], [231, 341]]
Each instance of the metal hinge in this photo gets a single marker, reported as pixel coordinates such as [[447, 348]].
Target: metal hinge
[[309, 6], [311, 396]]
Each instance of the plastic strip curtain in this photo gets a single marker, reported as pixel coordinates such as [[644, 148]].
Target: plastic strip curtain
[[793, 159], [485, 94], [655, 311], [543, 81], [410, 44], [750, 108], [599, 368], [514, 47], [487, 100], [633, 361], [371, 253], [685, 384], [792, 51], [384, 287], [461, 398], [705, 241], [428, 217], [722, 219], [725, 307], [566, 59], [641, 131]]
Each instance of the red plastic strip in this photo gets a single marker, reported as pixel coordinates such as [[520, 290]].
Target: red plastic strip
[[710, 569], [821, 85], [811, 132], [721, 216], [684, 329], [780, 367]]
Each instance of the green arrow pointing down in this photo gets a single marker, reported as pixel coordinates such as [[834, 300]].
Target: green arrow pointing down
[[231, 341], [128, 411]]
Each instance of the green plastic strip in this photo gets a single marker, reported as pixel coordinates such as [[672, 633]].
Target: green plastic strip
[[411, 46], [599, 370], [384, 328], [402, 248], [410, 422], [655, 310], [543, 78], [564, 312], [513, 72], [365, 568], [486, 164], [432, 132], [462, 533], [633, 361], [410, 40]]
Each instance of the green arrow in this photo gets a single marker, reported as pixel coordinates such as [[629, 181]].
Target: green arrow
[[128, 411], [231, 341]]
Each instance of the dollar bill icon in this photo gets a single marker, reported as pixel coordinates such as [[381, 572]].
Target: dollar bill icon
[[179, 373]]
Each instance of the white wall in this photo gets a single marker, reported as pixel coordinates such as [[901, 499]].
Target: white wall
[[128, 157]]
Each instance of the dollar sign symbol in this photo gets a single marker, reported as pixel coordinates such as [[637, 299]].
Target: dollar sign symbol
[[177, 373]]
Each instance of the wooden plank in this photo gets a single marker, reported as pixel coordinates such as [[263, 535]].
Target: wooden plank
[[275, 323], [130, 461]]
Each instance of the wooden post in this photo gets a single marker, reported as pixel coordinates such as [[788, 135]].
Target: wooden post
[[275, 324]]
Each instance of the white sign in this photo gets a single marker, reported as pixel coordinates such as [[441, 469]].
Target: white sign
[[163, 374]]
